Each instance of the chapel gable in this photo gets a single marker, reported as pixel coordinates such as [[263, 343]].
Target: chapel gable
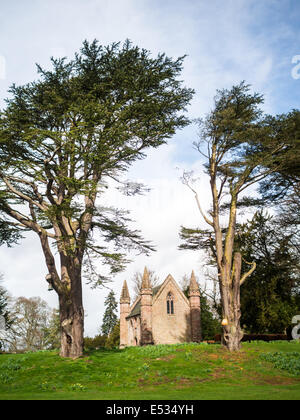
[[160, 315]]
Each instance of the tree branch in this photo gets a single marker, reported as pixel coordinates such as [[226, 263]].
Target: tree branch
[[26, 221], [22, 195], [185, 181], [246, 275]]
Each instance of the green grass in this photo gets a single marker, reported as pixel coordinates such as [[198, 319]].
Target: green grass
[[175, 372]]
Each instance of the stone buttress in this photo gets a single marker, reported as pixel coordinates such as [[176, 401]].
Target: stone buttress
[[146, 310], [124, 312], [194, 299]]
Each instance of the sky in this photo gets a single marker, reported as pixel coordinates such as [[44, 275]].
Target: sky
[[225, 42]]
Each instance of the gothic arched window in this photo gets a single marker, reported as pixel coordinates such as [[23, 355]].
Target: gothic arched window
[[170, 304]]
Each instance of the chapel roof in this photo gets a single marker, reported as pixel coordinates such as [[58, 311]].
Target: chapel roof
[[136, 309]]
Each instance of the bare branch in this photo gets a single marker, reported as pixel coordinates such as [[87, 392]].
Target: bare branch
[[246, 275], [223, 182], [186, 182]]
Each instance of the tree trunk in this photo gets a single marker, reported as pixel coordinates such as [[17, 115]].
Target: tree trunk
[[230, 295], [68, 286], [72, 320]]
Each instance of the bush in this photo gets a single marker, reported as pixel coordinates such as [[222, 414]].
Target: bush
[[94, 343], [284, 361], [113, 340], [11, 365]]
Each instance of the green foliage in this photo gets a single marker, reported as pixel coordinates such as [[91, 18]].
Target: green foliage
[[9, 370], [209, 323], [4, 304], [68, 136], [5, 315], [113, 340], [285, 178], [175, 372], [110, 317], [195, 239], [242, 147], [9, 234], [289, 221], [11, 365], [239, 134], [6, 378], [94, 343], [269, 297], [285, 361], [160, 350]]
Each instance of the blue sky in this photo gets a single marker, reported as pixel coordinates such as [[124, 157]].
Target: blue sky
[[225, 42]]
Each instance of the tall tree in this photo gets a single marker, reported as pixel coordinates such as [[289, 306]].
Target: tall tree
[[51, 331], [240, 145], [110, 317], [64, 139], [32, 318]]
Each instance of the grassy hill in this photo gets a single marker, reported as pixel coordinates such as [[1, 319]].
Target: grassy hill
[[187, 371]]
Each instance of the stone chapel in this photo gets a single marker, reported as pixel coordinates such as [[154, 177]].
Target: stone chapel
[[160, 315]]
